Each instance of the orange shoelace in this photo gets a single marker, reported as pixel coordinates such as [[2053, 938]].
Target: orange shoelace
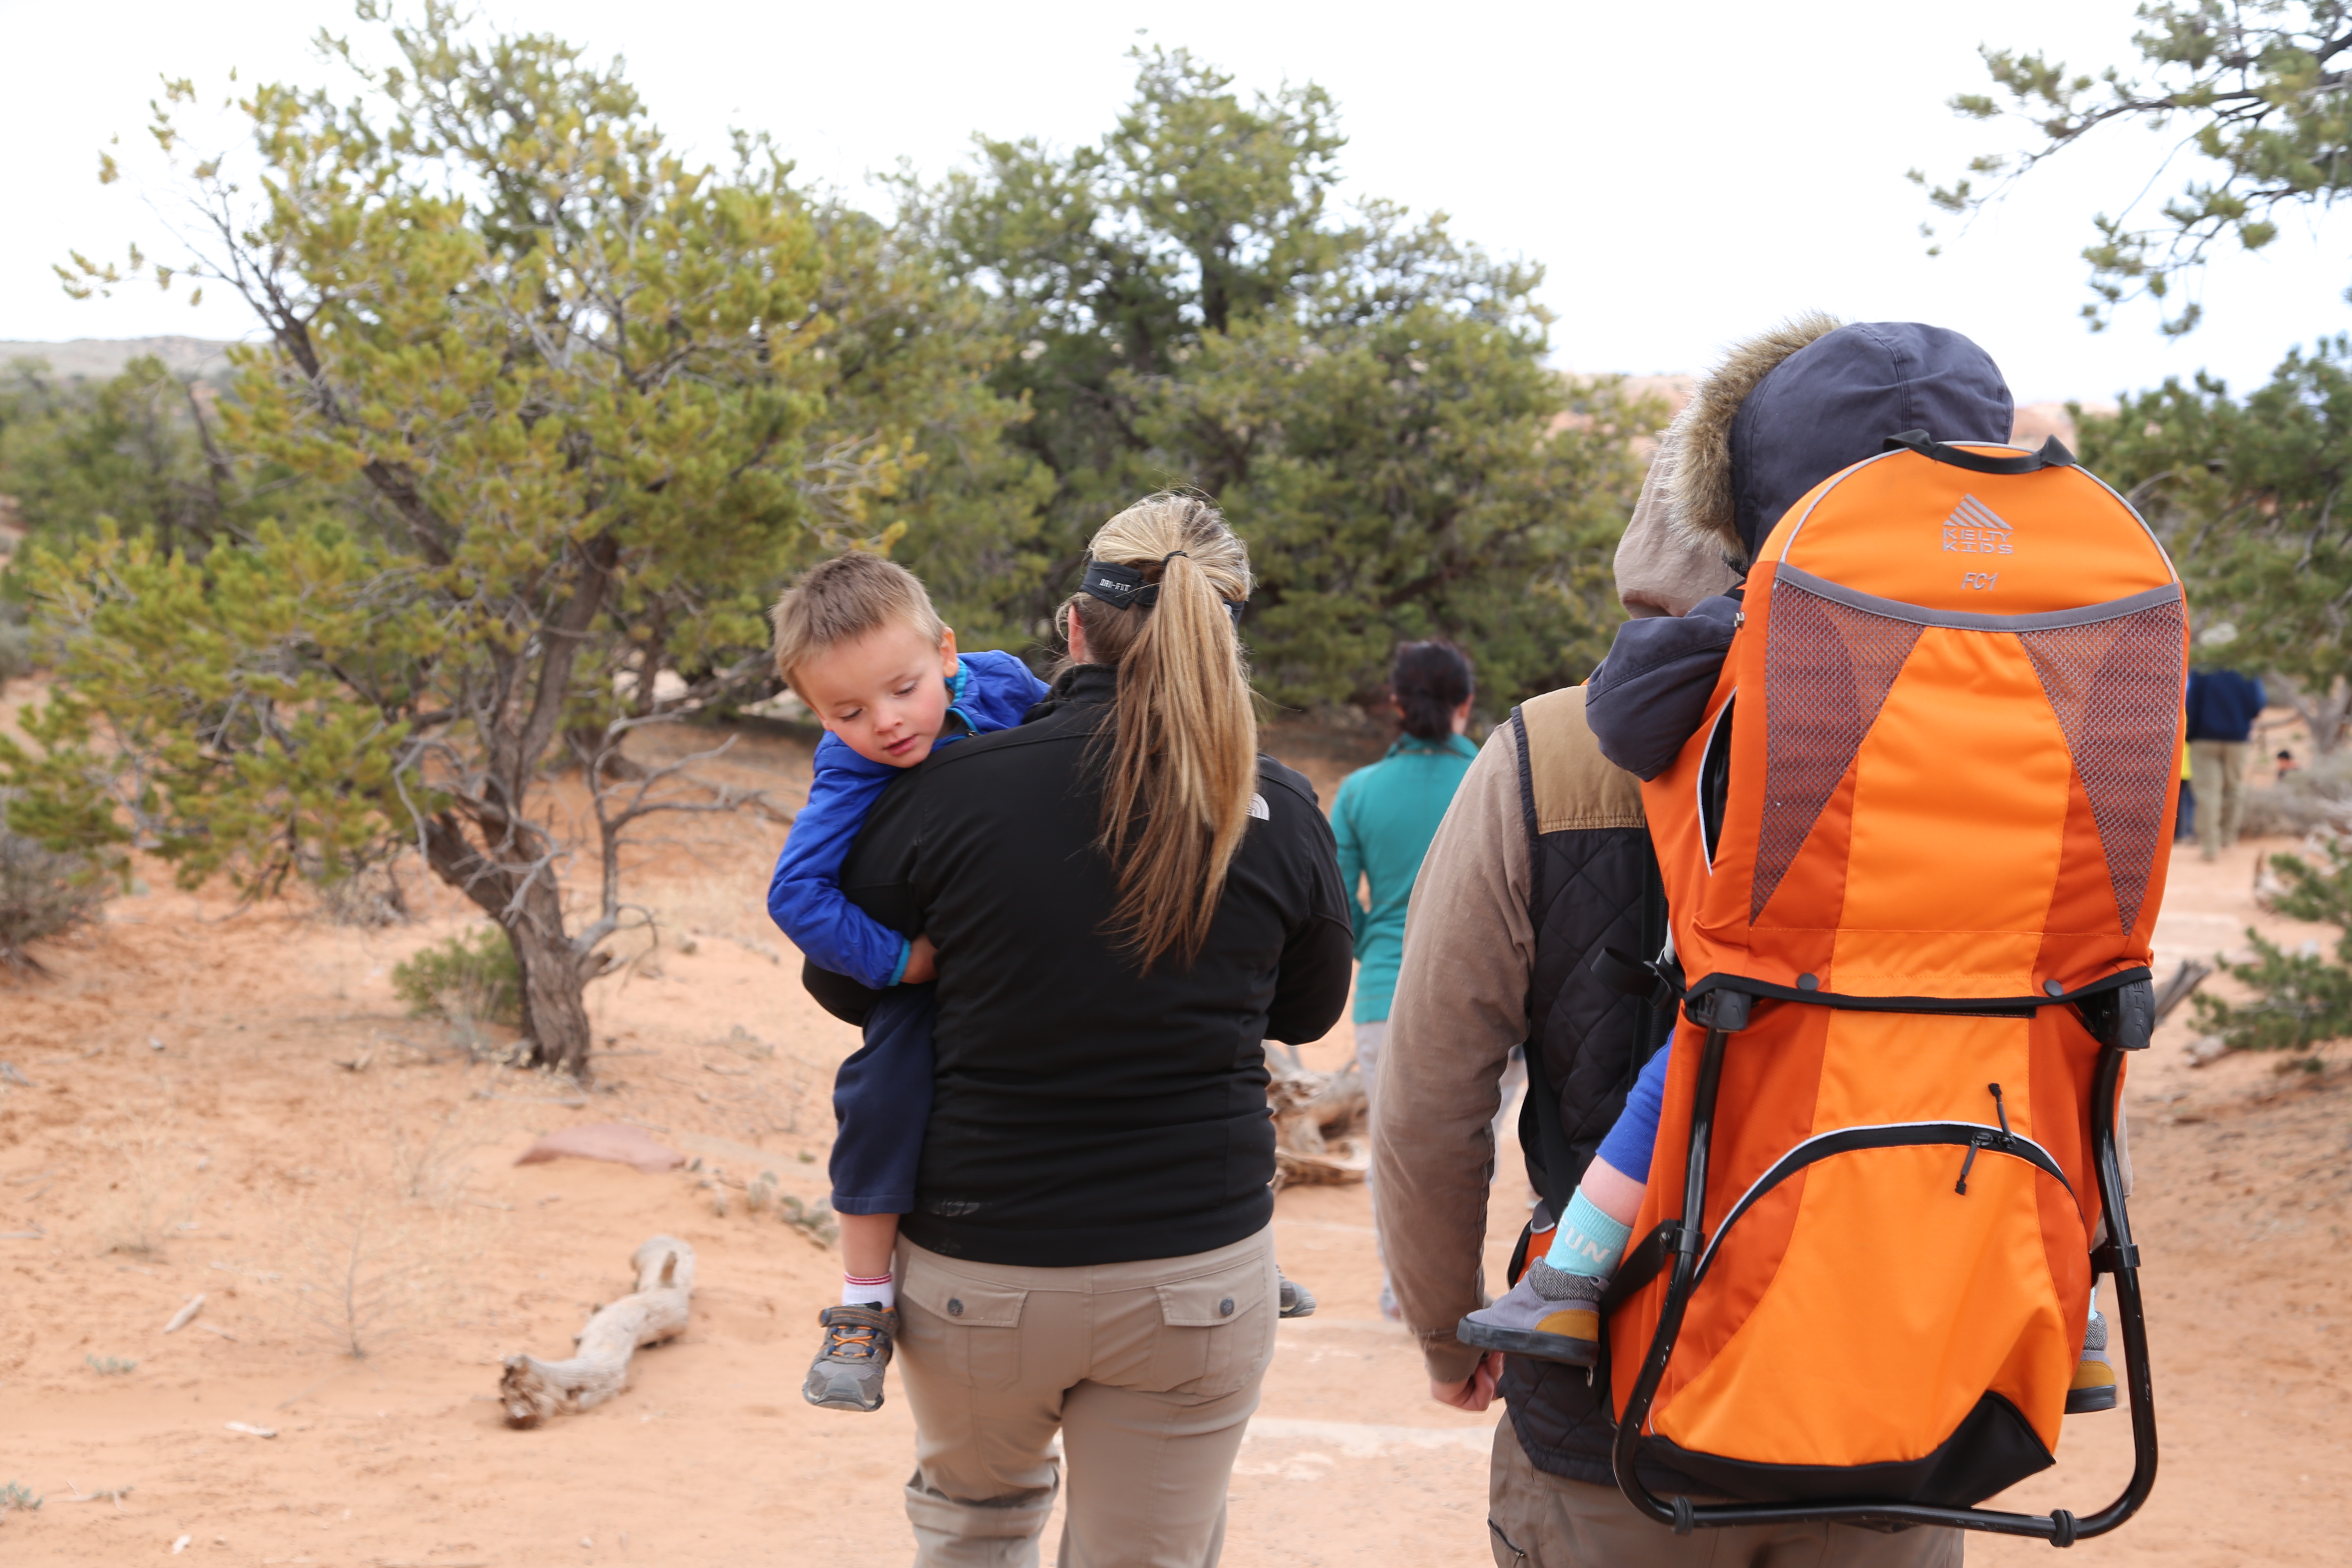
[[851, 1341]]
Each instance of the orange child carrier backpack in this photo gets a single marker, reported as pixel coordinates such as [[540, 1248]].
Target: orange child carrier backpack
[[1913, 858]]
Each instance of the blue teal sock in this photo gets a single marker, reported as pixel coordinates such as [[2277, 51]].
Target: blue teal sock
[[1587, 1242]]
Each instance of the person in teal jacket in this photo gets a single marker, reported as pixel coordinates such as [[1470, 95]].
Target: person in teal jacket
[[1385, 817]]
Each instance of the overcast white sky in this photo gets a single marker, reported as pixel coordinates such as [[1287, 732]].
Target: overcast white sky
[[1686, 172]]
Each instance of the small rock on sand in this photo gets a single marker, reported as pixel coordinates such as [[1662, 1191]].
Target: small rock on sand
[[618, 1142]]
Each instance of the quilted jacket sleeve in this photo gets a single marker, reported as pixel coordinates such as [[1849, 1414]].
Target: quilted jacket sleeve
[[1461, 1005]]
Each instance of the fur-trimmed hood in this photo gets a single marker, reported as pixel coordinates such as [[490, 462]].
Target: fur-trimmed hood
[[1789, 407]]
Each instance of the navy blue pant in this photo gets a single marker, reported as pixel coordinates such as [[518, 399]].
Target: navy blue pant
[[882, 1101]]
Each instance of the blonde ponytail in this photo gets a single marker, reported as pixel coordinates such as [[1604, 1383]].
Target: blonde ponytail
[[1180, 757]]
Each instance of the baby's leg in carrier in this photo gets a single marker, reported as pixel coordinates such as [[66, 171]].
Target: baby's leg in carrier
[[1553, 1312], [1593, 1234], [882, 1101]]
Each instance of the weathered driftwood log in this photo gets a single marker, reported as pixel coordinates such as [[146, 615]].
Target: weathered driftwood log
[[532, 1390], [1318, 1122], [2192, 972]]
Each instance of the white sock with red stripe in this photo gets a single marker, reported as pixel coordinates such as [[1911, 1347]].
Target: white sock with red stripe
[[856, 1291]]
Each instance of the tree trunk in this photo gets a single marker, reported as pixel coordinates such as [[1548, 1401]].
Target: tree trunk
[[555, 975], [554, 985], [2326, 715]]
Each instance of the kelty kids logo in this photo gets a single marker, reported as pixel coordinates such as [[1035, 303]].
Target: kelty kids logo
[[1975, 529]]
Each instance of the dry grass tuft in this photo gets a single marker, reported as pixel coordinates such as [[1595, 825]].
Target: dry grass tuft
[[155, 1188]]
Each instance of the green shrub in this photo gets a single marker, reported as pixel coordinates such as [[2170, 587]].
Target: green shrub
[[42, 894], [17, 1495], [467, 979], [2301, 1000]]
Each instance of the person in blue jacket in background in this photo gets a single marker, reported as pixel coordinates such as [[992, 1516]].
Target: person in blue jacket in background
[[1383, 820], [858, 641], [2223, 707]]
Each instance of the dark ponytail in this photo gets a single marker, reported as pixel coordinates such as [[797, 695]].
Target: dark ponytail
[[1429, 681]]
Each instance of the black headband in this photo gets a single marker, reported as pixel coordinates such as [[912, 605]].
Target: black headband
[[1123, 585]]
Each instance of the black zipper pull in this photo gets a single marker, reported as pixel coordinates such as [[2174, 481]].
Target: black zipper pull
[[1961, 1186], [2008, 1139]]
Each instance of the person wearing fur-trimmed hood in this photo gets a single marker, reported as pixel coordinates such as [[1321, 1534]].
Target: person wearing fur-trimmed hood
[[1784, 411], [1540, 863]]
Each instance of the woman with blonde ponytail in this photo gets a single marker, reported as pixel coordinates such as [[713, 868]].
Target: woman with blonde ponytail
[[1128, 901], [1181, 763]]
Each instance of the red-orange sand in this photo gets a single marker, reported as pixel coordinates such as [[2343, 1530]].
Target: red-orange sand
[[248, 1156]]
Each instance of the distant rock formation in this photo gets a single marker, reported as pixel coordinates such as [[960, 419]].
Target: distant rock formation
[[2037, 422], [2034, 424], [101, 359]]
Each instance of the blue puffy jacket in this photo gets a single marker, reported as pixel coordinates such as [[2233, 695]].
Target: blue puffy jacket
[[992, 691]]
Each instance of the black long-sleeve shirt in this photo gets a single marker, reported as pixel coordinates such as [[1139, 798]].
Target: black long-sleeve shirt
[[1083, 1111]]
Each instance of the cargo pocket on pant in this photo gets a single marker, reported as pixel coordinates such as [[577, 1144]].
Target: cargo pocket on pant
[[968, 1330], [1216, 1330]]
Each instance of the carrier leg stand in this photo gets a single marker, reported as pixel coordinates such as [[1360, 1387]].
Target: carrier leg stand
[[1723, 1014]]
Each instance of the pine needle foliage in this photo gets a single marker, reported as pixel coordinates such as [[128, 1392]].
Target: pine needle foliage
[[2300, 1000]]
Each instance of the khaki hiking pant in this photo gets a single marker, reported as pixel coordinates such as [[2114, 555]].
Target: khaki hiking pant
[[2217, 769], [1539, 1520], [1148, 1370]]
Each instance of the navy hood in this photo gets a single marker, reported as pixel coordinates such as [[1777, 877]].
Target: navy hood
[[1835, 401]]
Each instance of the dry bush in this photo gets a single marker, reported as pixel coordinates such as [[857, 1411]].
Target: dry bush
[[42, 894], [153, 1190], [430, 1163], [359, 1271], [363, 1267], [814, 1220], [385, 1247], [370, 898]]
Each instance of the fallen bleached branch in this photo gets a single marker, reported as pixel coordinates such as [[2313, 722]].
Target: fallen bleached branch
[[532, 1390]]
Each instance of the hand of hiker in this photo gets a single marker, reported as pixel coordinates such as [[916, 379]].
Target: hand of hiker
[[1474, 1392], [920, 969]]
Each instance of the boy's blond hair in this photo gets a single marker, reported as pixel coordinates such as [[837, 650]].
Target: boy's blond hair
[[841, 600]]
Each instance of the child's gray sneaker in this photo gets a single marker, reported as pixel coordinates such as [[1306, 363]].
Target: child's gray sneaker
[[847, 1372], [2093, 1387], [1297, 1301], [1550, 1314]]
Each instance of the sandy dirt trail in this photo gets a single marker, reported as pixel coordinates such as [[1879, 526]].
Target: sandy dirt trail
[[234, 1104]]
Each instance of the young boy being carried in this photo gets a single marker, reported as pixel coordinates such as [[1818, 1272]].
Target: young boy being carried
[[858, 641]]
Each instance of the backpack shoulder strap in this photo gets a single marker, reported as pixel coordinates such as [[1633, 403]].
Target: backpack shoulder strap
[[1551, 1137]]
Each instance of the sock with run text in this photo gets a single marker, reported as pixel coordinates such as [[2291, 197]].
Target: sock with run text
[[1587, 1242], [878, 1291]]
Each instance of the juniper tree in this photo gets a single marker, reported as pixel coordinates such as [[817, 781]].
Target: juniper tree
[[1365, 395], [2252, 494], [2259, 90], [589, 401]]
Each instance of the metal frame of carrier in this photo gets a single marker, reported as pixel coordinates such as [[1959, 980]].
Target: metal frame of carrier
[[2119, 1011]]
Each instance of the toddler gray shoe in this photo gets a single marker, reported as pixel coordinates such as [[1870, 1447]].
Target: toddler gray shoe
[[847, 1372], [1550, 1314], [2093, 1387], [1298, 1301]]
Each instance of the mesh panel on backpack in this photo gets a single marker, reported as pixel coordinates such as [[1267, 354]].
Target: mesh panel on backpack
[[1828, 668], [2112, 686]]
